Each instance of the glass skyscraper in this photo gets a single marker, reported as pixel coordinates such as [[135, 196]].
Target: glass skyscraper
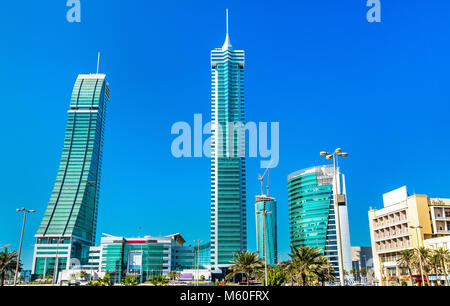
[[68, 227], [269, 204], [228, 186], [312, 219]]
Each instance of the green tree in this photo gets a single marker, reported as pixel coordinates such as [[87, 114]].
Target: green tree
[[324, 270], [363, 272], [173, 275], [354, 272], [83, 274], [245, 262], [305, 265], [276, 276], [444, 256], [8, 262], [425, 256], [106, 280], [160, 280], [129, 281], [407, 259], [435, 262], [102, 282]]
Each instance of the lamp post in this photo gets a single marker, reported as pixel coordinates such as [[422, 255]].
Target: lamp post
[[264, 235], [197, 263], [334, 156], [418, 251], [25, 212], [55, 270]]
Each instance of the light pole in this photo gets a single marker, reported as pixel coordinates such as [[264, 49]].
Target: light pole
[[25, 212], [418, 251], [55, 270], [334, 156], [197, 263], [264, 235]]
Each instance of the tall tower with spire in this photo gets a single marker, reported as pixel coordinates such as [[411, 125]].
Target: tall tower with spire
[[228, 183]]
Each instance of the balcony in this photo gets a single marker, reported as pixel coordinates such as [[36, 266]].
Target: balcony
[[393, 249], [398, 234], [388, 223]]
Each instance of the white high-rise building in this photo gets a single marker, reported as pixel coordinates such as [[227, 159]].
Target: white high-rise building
[[228, 183]]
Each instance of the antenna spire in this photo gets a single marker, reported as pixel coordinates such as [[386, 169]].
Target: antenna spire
[[227, 44], [98, 62], [227, 22]]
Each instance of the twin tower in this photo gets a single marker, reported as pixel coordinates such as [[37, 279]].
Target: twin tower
[[68, 227]]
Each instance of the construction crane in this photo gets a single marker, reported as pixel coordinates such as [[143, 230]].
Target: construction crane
[[261, 179]]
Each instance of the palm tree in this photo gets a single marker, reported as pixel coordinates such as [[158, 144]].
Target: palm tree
[[291, 274], [245, 262], [363, 273], [306, 263], [425, 255], [354, 272], [83, 274], [444, 255], [129, 281], [173, 275], [435, 261], [8, 262], [406, 259], [324, 270]]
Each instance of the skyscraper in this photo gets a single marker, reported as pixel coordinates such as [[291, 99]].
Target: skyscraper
[[265, 203], [312, 218], [228, 186], [68, 227]]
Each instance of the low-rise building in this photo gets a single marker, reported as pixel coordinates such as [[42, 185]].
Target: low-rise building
[[361, 259], [142, 258], [405, 222]]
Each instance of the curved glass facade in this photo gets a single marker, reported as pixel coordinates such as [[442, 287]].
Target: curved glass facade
[[71, 214], [311, 211]]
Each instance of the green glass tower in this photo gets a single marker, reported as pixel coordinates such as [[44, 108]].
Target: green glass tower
[[264, 203], [312, 218], [68, 227], [228, 186]]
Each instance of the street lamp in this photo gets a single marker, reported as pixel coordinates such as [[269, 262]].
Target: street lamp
[[55, 270], [334, 156], [197, 261], [264, 235], [25, 212], [418, 250]]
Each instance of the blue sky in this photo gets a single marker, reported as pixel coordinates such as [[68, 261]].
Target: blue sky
[[378, 90]]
